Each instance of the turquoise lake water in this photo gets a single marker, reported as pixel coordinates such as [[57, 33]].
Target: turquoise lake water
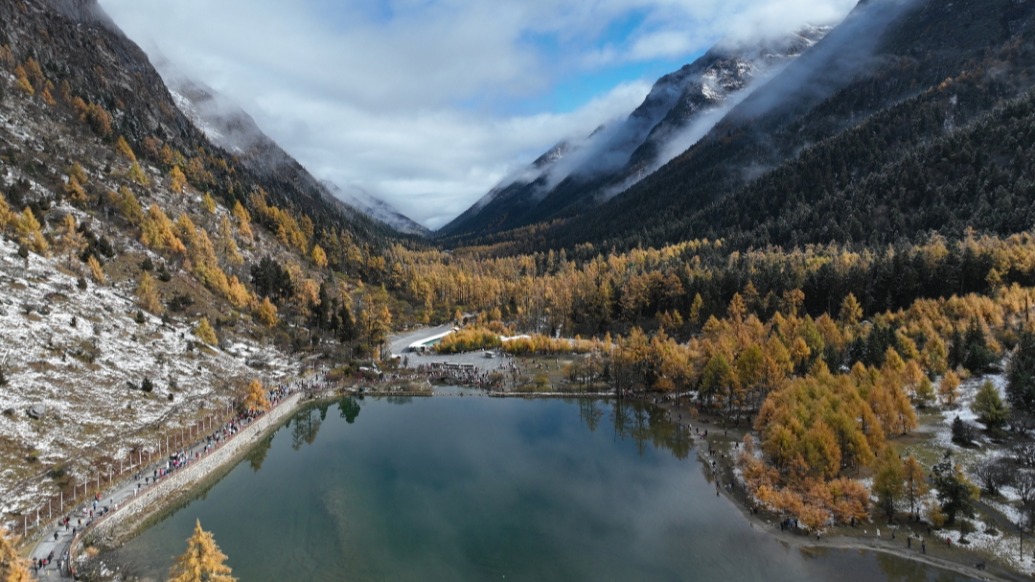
[[485, 489]]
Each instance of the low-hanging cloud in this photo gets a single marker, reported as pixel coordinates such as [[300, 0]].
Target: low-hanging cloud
[[423, 104]]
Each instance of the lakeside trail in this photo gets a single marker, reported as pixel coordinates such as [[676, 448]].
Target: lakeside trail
[[53, 557]]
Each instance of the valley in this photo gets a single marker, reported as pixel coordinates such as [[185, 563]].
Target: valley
[[801, 273]]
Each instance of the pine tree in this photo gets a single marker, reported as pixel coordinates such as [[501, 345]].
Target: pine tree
[[1020, 388], [955, 492], [202, 562]]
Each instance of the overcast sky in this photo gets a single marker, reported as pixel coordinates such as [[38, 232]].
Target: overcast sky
[[428, 104]]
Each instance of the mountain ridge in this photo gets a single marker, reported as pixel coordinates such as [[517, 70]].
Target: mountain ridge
[[229, 126], [677, 109]]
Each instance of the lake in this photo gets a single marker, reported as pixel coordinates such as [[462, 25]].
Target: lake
[[474, 488]]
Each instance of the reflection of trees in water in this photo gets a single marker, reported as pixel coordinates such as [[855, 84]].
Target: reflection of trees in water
[[258, 454], [590, 413], [348, 408], [306, 426], [643, 423]]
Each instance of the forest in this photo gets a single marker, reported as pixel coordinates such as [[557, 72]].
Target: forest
[[825, 305]]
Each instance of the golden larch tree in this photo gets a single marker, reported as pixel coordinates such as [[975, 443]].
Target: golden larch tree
[[122, 147], [231, 252], [205, 333], [244, 220], [208, 203], [319, 256], [6, 216], [72, 240], [948, 388], [202, 562], [266, 312], [177, 180], [30, 233], [96, 270], [137, 174], [255, 398], [13, 568], [147, 294]]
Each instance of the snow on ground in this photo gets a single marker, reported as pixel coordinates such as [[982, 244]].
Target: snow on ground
[[1004, 545], [967, 391], [71, 354]]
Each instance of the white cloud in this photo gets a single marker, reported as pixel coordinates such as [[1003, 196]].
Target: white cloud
[[413, 100]]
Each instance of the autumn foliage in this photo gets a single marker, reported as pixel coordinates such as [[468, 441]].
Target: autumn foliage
[[203, 561]]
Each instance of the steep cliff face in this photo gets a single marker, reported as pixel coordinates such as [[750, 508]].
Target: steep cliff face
[[680, 108]]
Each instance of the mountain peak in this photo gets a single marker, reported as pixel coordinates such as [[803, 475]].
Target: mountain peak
[[679, 109]]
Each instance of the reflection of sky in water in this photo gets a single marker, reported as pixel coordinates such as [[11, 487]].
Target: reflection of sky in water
[[477, 489]]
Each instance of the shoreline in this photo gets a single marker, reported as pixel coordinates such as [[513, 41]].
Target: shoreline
[[956, 561], [128, 524]]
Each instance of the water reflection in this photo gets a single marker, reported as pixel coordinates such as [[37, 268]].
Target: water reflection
[[305, 425], [257, 455], [644, 424], [348, 407], [479, 489]]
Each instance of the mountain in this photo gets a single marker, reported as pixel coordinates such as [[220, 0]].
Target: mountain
[[908, 117], [231, 128], [148, 274], [680, 108]]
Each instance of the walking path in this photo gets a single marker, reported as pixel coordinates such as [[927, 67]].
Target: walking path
[[50, 558]]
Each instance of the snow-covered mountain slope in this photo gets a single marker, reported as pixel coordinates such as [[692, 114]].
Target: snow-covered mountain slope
[[375, 208], [233, 129], [680, 108], [75, 359]]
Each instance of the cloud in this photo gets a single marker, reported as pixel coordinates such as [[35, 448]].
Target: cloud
[[422, 102]]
